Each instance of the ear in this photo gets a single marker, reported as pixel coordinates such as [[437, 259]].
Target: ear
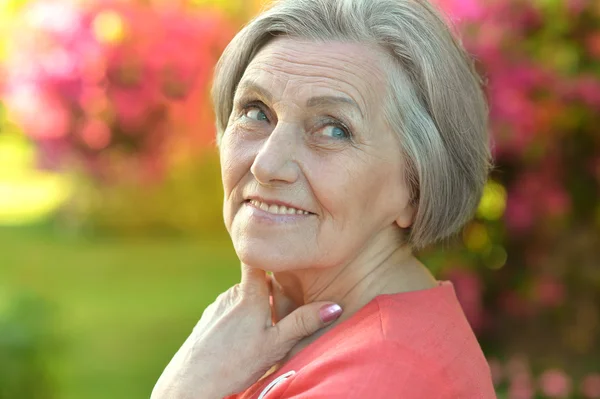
[[406, 217]]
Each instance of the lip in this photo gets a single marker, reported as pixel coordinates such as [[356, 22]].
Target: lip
[[271, 219], [275, 202]]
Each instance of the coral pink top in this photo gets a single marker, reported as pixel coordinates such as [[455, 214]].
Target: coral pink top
[[411, 345]]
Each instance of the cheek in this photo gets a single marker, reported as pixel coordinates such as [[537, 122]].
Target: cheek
[[228, 169], [339, 185], [236, 160], [358, 192]]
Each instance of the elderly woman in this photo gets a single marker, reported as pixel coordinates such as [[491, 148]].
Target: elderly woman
[[351, 133]]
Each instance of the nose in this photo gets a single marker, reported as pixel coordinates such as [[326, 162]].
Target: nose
[[276, 159]]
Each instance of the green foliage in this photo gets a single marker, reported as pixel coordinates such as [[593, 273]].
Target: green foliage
[[121, 307], [26, 341]]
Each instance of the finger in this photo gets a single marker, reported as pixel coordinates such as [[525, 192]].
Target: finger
[[306, 320], [283, 305], [271, 300], [254, 280]]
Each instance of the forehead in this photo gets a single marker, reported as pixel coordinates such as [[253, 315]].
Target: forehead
[[294, 67]]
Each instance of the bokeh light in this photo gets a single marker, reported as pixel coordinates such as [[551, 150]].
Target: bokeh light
[[493, 201], [109, 27]]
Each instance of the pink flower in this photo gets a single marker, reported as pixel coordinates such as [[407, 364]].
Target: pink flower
[[52, 153], [69, 88], [57, 17], [462, 9], [588, 89], [469, 293], [517, 365], [519, 376], [133, 106], [576, 6], [590, 386], [42, 115], [59, 64], [557, 202], [521, 387], [488, 42], [496, 370], [93, 100], [96, 134], [593, 45], [555, 384], [519, 213], [550, 291]]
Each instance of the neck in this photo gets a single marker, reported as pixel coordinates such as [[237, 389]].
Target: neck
[[384, 267]]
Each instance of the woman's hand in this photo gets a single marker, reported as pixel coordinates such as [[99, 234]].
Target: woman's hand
[[238, 339]]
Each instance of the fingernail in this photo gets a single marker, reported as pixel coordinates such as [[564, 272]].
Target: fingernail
[[330, 312]]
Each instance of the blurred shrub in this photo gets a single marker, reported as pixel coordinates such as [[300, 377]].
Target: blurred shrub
[[115, 95], [26, 342], [110, 86], [187, 201], [527, 269]]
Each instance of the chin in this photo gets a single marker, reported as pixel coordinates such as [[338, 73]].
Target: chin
[[266, 256]]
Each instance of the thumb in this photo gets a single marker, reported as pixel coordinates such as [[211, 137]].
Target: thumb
[[306, 320]]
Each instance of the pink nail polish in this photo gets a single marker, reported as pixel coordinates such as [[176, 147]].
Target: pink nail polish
[[330, 312]]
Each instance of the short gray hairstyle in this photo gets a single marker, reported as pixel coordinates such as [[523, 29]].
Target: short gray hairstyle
[[436, 102]]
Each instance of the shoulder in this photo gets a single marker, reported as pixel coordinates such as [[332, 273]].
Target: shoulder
[[410, 346], [381, 369], [431, 329], [429, 321]]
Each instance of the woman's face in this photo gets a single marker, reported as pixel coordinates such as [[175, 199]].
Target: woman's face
[[311, 173]]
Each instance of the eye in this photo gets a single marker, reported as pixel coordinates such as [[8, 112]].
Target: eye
[[335, 132], [255, 113]]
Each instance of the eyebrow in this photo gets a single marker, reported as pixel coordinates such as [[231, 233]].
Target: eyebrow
[[312, 102], [253, 87], [332, 100]]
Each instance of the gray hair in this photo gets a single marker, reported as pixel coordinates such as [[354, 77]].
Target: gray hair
[[436, 105]]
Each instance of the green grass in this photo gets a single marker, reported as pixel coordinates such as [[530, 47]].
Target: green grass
[[123, 307]]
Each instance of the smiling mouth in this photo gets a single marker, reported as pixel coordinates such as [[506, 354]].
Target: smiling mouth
[[277, 209]]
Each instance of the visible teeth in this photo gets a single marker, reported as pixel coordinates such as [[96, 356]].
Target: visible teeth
[[278, 210]]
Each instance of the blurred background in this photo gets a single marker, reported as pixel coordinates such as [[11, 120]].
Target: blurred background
[[111, 238]]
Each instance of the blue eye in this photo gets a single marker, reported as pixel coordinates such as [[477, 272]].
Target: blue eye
[[335, 132], [255, 113]]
